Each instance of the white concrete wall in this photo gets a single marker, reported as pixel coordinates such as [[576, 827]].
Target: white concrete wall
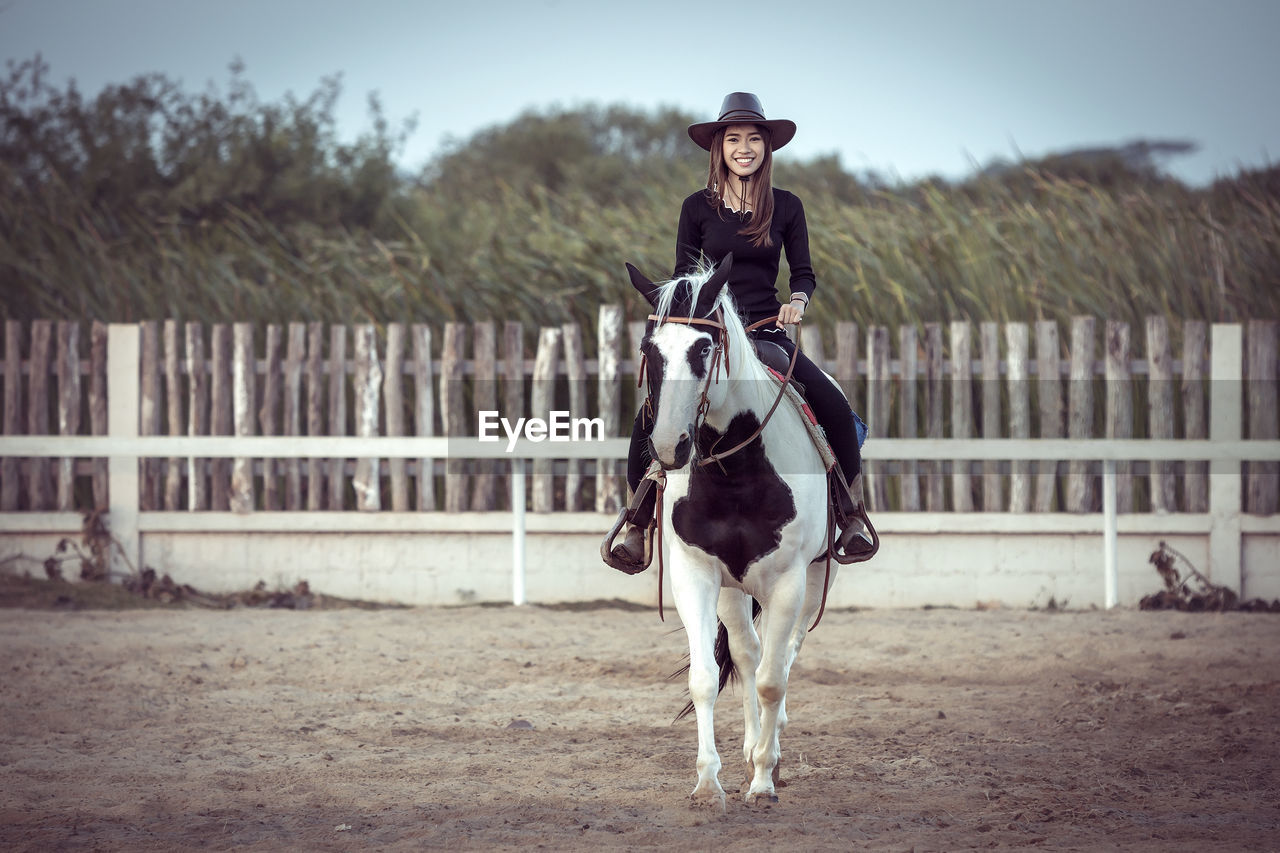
[[436, 559]]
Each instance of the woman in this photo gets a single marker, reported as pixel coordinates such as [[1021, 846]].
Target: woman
[[740, 211]]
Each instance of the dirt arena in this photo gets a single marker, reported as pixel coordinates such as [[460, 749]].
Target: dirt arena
[[511, 728]]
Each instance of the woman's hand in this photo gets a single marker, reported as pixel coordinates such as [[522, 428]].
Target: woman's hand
[[790, 313]]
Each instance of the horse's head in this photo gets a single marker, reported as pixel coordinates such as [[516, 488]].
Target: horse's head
[[682, 348]]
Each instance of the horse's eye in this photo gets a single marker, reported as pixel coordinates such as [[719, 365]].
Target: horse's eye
[[706, 350]]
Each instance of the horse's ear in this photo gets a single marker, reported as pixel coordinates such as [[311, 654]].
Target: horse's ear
[[711, 290], [647, 288]]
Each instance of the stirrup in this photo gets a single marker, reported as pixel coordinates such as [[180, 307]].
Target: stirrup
[[614, 555], [867, 549], [848, 512], [640, 514]]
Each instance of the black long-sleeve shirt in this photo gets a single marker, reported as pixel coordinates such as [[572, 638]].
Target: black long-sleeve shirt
[[712, 230]]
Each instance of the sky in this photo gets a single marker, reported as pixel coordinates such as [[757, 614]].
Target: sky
[[906, 88]]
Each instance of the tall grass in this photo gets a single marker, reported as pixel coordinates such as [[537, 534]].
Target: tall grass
[[983, 251]]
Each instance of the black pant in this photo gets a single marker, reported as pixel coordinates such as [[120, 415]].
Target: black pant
[[827, 401]]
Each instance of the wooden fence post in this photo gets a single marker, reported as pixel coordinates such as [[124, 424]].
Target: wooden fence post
[[1262, 486], [269, 416], [609, 491], [337, 412], [1160, 410], [992, 481], [1195, 367], [123, 358], [242, 396], [294, 356], [424, 412], [452, 413], [1049, 393], [315, 411], [513, 406], [543, 401], [173, 414], [98, 407], [1119, 404], [961, 413], [10, 466], [1079, 496], [1017, 338], [393, 393], [197, 415], [934, 489], [220, 412], [484, 387], [149, 411], [875, 474], [846, 372], [68, 362], [367, 482], [1226, 410], [575, 371], [908, 356], [812, 345], [39, 486]]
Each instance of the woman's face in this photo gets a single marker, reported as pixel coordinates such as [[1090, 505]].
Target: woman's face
[[744, 149]]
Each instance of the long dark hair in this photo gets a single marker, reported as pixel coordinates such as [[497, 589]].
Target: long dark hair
[[761, 183]]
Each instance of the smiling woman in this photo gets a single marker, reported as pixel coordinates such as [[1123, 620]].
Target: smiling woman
[[740, 214]]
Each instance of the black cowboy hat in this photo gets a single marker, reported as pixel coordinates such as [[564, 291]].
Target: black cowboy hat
[[743, 108]]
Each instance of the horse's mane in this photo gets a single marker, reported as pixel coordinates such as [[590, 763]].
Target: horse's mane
[[740, 347]]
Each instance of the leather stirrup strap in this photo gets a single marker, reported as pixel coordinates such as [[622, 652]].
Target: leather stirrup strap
[[661, 486], [826, 581]]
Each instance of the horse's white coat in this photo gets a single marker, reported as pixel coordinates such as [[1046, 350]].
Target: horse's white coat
[[787, 584]]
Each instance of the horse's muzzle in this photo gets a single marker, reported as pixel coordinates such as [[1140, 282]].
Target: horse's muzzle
[[680, 456]]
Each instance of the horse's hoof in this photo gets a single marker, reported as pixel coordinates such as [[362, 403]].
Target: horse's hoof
[[762, 798], [708, 797]]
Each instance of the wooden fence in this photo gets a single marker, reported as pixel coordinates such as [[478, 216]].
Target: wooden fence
[[1093, 379]]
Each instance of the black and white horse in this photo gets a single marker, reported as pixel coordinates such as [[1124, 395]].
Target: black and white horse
[[748, 525]]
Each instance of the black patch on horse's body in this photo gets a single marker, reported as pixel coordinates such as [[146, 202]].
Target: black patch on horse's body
[[737, 513]]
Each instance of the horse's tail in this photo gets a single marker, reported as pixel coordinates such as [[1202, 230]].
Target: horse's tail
[[728, 670]]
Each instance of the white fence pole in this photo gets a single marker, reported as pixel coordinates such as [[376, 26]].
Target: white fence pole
[[123, 351], [1226, 414], [517, 531], [1110, 536]]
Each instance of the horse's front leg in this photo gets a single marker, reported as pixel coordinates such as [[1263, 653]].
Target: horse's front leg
[[734, 611], [783, 630], [695, 591]]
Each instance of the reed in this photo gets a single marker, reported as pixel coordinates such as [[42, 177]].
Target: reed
[[981, 251]]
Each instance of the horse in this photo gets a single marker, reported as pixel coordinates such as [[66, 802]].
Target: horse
[[746, 528]]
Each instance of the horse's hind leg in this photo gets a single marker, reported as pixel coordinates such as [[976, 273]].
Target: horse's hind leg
[[783, 631], [735, 612], [695, 594]]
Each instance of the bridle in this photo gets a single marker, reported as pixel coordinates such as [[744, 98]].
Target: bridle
[[720, 355]]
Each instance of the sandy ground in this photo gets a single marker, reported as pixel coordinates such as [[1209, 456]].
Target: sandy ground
[[504, 728]]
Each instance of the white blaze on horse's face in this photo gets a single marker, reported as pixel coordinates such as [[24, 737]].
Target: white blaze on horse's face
[[679, 360]]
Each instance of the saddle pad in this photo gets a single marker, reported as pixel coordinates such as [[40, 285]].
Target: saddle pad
[[818, 437]]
